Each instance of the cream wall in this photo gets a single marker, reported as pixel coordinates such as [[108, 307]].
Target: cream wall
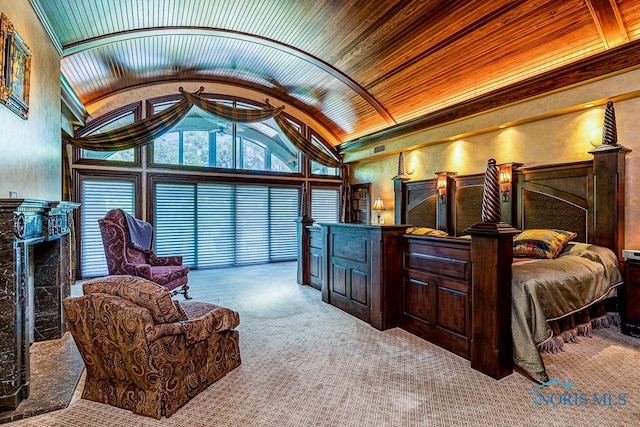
[[554, 136], [30, 163]]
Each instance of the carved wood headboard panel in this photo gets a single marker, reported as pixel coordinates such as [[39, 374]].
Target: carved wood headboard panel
[[422, 201], [467, 207], [558, 196]]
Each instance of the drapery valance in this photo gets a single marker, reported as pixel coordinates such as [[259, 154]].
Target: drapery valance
[[145, 131]]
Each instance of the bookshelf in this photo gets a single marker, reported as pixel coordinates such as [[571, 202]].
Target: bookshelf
[[360, 204]]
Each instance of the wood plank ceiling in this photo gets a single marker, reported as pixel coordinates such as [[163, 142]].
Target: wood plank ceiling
[[358, 66]]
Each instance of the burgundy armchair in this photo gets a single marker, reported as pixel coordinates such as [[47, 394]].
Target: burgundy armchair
[[124, 258]]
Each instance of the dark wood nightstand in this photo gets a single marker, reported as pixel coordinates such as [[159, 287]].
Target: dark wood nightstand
[[630, 303]]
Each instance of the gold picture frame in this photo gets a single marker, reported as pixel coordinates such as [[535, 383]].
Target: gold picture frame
[[15, 69]]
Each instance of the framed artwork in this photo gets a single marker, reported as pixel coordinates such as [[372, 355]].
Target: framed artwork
[[15, 72]]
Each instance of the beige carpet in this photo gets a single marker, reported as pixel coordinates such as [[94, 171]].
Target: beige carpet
[[305, 363]]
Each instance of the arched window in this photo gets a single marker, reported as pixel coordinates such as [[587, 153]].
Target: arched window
[[201, 139], [218, 193]]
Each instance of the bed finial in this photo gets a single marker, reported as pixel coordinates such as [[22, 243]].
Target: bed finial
[[304, 208], [609, 131], [402, 176], [491, 194]]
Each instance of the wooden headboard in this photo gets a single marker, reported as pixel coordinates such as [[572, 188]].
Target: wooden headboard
[[559, 196], [586, 197], [422, 204]]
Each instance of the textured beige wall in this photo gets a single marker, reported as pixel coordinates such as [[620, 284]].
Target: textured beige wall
[[30, 163], [560, 138]]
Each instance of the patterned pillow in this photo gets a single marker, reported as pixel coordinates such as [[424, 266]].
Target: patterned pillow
[[541, 243], [145, 293], [425, 231]]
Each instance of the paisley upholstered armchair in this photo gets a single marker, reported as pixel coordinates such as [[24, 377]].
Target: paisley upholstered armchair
[[125, 255], [144, 352]]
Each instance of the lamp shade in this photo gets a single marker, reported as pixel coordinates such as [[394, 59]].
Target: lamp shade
[[504, 177], [378, 205]]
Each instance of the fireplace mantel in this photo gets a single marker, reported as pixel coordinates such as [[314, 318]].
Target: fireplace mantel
[[35, 276]]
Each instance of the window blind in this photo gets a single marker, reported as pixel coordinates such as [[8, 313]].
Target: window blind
[[283, 212], [216, 229], [252, 224], [98, 197], [325, 205], [175, 221], [226, 224]]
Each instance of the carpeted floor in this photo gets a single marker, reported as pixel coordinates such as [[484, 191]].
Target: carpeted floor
[[306, 363]]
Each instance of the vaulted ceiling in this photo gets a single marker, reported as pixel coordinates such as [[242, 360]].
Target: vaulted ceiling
[[360, 67]]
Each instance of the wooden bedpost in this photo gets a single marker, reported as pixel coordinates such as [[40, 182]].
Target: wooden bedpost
[[304, 247], [400, 193], [608, 188], [400, 201], [446, 196], [491, 258]]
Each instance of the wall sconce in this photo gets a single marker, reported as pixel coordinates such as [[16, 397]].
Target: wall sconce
[[442, 188], [442, 183], [595, 137], [378, 205], [505, 180]]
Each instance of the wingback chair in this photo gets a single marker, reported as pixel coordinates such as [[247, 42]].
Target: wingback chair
[[144, 352], [124, 258]]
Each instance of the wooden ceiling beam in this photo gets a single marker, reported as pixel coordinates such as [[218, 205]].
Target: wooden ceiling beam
[[607, 18]]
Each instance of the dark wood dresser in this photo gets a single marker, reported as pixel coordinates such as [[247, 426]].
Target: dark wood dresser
[[630, 305]]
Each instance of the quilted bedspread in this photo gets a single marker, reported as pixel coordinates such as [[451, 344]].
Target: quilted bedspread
[[548, 289]]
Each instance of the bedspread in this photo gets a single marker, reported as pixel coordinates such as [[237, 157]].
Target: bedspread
[[548, 289]]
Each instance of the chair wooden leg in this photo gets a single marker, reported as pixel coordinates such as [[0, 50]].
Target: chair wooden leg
[[185, 292]]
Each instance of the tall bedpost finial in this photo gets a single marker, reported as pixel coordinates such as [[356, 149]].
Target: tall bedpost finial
[[609, 130], [402, 176], [304, 208], [491, 194]]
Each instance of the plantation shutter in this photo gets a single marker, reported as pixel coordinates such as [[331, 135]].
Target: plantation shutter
[[325, 205], [98, 197], [175, 221]]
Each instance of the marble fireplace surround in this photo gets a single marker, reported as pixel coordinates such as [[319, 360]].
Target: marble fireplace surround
[[35, 276]]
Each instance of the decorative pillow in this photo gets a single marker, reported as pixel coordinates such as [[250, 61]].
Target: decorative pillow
[[145, 293], [541, 243], [425, 231]]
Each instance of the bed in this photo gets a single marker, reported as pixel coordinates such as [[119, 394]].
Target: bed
[[443, 294]]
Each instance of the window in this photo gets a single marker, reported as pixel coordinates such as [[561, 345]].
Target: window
[[98, 197], [201, 139], [325, 205], [317, 168], [219, 225], [117, 119], [230, 219]]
